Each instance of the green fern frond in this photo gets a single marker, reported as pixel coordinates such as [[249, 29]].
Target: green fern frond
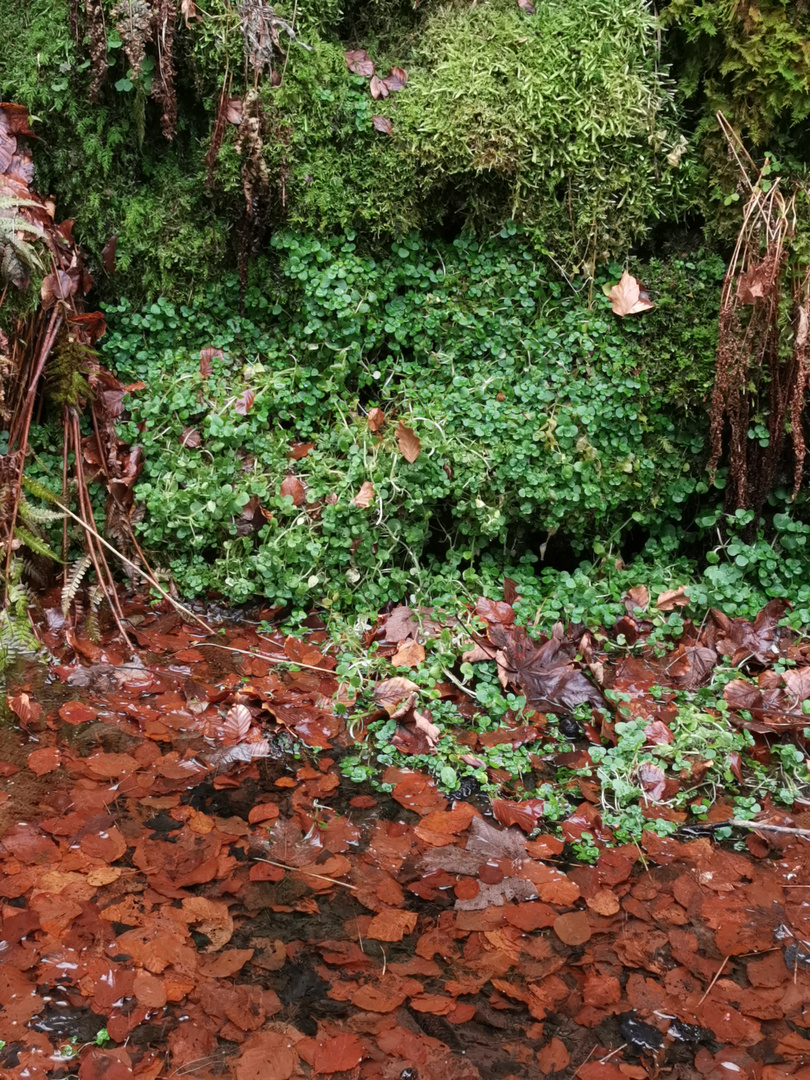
[[35, 487], [38, 515], [17, 639], [73, 582], [11, 225], [35, 544], [10, 202]]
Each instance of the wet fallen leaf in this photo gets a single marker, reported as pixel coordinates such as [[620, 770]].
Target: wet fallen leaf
[[378, 88], [391, 693], [573, 928], [244, 403], [391, 924], [338, 1054], [383, 125], [554, 1056], [44, 761], [376, 419], [190, 438], [672, 598]]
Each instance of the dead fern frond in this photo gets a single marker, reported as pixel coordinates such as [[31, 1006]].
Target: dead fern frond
[[133, 21], [163, 89], [757, 374], [97, 32]]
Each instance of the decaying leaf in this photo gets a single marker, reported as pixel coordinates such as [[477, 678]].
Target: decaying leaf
[[378, 87], [376, 419], [391, 693], [190, 438], [672, 598], [628, 298], [244, 403], [365, 496], [396, 79], [358, 62], [108, 254], [408, 442], [382, 124], [292, 487], [188, 9], [409, 654]]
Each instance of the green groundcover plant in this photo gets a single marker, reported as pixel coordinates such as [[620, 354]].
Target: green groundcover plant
[[539, 414]]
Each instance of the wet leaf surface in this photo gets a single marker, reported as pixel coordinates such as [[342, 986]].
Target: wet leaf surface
[[182, 870]]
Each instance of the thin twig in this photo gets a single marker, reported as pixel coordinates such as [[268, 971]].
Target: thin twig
[[309, 873], [612, 1052], [263, 656], [714, 980], [756, 826]]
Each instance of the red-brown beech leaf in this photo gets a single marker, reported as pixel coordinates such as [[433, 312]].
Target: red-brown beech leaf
[[338, 1054], [268, 1055], [391, 924], [237, 723], [58, 285], [382, 124], [672, 598], [529, 8], [244, 403], [396, 79], [358, 62], [44, 760], [553, 1057], [408, 442], [293, 487], [573, 928], [233, 111], [108, 254], [657, 733], [378, 87], [27, 710], [76, 712], [495, 611]]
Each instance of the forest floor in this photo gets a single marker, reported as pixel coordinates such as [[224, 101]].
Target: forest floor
[[192, 887]]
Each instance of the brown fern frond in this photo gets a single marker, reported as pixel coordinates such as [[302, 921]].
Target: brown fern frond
[[133, 21], [97, 32], [751, 355], [163, 89]]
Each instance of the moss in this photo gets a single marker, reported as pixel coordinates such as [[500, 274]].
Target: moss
[[559, 120]]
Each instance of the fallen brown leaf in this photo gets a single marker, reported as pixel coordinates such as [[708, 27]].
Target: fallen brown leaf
[[408, 442], [628, 298], [409, 654]]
